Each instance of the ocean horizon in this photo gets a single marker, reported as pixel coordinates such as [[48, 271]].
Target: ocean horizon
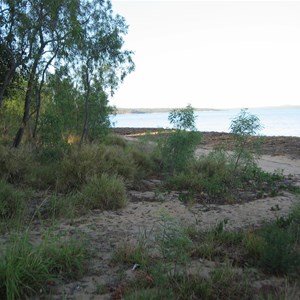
[[276, 121]]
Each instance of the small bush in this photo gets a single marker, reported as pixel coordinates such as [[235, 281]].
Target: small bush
[[104, 192], [243, 127], [12, 201], [178, 150], [279, 254]]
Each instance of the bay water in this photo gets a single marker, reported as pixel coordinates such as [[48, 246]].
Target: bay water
[[276, 121]]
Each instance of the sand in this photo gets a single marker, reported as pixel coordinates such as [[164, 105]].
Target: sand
[[105, 230]]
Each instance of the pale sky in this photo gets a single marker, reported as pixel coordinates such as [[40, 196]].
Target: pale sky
[[211, 54]]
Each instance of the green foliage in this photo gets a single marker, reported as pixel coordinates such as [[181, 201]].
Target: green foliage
[[26, 269], [244, 127], [178, 150], [172, 241], [50, 131], [12, 201], [183, 118], [104, 192], [179, 147], [214, 178], [85, 40], [279, 253]]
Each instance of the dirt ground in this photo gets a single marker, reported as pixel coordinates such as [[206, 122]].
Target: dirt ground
[[105, 230]]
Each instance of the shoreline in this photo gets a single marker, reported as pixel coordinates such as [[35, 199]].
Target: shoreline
[[271, 145]]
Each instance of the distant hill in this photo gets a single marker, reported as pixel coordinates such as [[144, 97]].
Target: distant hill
[[153, 110]]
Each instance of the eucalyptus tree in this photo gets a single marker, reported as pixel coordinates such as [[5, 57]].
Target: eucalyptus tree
[[49, 25], [13, 42], [83, 34], [101, 62]]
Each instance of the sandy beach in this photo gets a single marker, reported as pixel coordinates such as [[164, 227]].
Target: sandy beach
[[108, 229]]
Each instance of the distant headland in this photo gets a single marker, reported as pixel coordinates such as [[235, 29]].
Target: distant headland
[[154, 110], [166, 110]]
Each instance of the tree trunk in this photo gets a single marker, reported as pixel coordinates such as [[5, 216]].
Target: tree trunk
[[86, 108], [20, 132], [25, 119], [38, 94], [7, 80]]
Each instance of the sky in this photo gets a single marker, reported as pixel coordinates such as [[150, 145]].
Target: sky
[[211, 54]]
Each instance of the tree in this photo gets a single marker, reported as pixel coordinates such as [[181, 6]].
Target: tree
[[243, 127], [179, 147], [183, 118], [47, 31], [100, 59], [83, 34]]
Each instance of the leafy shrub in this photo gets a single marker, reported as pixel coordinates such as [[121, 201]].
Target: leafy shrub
[[104, 192], [275, 246], [178, 148], [244, 126], [12, 201], [183, 118], [279, 254]]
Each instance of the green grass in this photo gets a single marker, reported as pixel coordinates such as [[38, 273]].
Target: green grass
[[27, 269], [104, 192], [12, 201]]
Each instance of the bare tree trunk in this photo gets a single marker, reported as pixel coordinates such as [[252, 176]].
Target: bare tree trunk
[[7, 80], [38, 95], [86, 107], [20, 132], [25, 119]]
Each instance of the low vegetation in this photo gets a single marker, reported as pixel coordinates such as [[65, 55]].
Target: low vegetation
[[27, 269], [185, 263], [41, 185]]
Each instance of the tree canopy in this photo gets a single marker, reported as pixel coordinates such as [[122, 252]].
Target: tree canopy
[[60, 61]]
